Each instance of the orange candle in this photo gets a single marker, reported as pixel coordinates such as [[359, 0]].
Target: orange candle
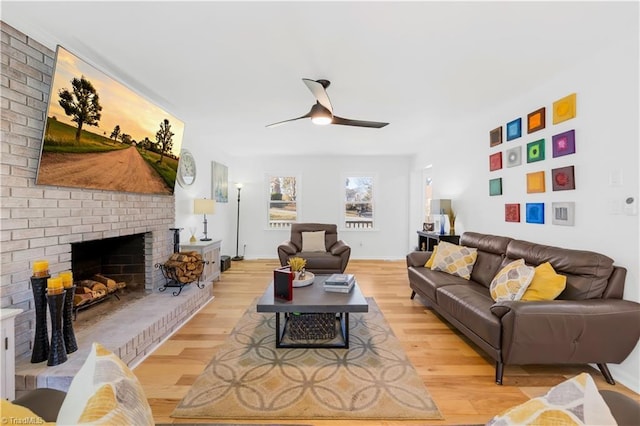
[[40, 268], [54, 285], [67, 279]]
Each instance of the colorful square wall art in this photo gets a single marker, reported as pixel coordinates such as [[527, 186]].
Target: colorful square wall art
[[535, 151], [562, 213], [564, 109], [514, 156], [536, 120], [495, 161], [495, 136], [535, 182], [535, 213], [563, 179], [495, 186], [512, 212], [564, 143], [514, 129]]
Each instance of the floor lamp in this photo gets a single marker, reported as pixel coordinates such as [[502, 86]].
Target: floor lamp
[[237, 256]]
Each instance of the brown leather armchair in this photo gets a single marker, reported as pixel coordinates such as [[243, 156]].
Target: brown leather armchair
[[334, 258]]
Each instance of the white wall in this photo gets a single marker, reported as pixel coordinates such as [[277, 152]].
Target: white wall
[[607, 137]]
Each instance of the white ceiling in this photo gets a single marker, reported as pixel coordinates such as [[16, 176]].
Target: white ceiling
[[229, 68]]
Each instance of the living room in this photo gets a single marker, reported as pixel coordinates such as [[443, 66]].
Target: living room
[[451, 150]]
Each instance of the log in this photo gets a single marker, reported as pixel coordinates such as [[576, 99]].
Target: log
[[104, 280]]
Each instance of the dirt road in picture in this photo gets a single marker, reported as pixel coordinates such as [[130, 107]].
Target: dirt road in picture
[[122, 170]]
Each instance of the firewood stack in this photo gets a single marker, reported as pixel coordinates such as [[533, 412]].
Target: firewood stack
[[185, 267], [96, 288]]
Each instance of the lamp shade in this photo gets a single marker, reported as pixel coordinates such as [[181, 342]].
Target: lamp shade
[[204, 206]]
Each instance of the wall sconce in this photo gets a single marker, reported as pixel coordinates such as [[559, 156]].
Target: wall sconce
[[204, 207]]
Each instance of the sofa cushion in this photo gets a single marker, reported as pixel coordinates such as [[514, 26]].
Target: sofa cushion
[[313, 241], [454, 259], [575, 401], [546, 284], [491, 249], [429, 281], [105, 392], [512, 281], [17, 414], [587, 272], [429, 262], [470, 304]]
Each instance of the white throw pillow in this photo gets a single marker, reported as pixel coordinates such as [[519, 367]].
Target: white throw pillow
[[313, 241]]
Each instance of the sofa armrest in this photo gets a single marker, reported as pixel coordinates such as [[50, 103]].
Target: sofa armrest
[[44, 402], [338, 248], [288, 248], [568, 331], [418, 258]]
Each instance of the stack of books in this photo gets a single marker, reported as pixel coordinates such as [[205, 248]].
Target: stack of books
[[340, 283]]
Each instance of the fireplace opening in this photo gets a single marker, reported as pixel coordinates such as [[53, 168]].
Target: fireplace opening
[[108, 267]]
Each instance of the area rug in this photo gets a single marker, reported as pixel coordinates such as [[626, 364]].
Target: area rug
[[250, 379]]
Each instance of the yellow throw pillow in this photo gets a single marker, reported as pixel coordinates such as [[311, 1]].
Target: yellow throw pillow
[[546, 284], [429, 263], [575, 401], [454, 259], [512, 281], [313, 241], [11, 413], [105, 392]]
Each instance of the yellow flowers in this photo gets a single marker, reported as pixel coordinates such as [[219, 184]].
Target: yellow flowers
[[297, 263]]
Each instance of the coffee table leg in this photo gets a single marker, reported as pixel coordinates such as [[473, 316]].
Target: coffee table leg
[[345, 331], [278, 335]]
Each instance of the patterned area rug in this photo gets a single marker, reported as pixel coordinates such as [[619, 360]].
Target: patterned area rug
[[250, 379]]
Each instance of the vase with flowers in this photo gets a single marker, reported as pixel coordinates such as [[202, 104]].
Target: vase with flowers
[[301, 276]]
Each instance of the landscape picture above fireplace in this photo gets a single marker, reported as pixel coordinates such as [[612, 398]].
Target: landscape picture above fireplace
[[99, 134]]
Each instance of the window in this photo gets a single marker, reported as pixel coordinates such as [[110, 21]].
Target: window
[[283, 205], [358, 208]]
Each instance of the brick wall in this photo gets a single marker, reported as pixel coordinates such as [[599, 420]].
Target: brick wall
[[41, 222]]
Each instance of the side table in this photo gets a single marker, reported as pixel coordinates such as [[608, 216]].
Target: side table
[[430, 239], [210, 250]]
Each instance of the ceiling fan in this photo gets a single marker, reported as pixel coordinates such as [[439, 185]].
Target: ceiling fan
[[322, 113]]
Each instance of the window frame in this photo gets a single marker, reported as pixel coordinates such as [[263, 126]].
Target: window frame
[[343, 201], [284, 225]]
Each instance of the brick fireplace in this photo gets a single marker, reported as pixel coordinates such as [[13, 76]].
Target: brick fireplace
[[43, 222]]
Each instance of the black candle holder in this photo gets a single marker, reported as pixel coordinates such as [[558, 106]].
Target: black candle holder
[[57, 351], [40, 350], [67, 321]]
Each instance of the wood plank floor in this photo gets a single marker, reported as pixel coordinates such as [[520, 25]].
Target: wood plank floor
[[459, 376]]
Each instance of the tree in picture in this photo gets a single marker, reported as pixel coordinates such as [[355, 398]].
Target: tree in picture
[[83, 104], [164, 138]]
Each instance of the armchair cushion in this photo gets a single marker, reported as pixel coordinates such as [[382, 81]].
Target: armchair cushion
[[313, 241]]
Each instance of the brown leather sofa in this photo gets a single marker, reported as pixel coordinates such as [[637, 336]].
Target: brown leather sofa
[[589, 323], [331, 261]]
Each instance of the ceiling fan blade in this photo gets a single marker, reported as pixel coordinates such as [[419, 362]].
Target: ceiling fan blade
[[307, 115], [319, 92], [359, 123]]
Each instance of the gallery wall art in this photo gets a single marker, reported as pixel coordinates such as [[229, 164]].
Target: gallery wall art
[[219, 182], [562, 143]]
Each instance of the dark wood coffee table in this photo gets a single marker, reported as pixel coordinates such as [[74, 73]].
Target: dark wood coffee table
[[314, 299]]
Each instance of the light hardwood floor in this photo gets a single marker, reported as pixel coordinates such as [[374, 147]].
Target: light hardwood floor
[[459, 376]]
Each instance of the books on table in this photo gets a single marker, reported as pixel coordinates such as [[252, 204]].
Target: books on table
[[340, 283]]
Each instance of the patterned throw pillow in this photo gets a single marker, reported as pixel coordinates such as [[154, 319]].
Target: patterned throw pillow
[[454, 259], [105, 392], [573, 402], [546, 284], [512, 281], [313, 241]]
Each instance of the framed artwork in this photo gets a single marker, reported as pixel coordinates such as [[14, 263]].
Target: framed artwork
[[495, 136], [534, 213], [535, 182], [564, 143], [514, 156], [514, 129], [219, 182], [563, 179], [564, 109], [512, 212], [535, 151], [562, 213], [536, 120], [495, 186], [495, 161]]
